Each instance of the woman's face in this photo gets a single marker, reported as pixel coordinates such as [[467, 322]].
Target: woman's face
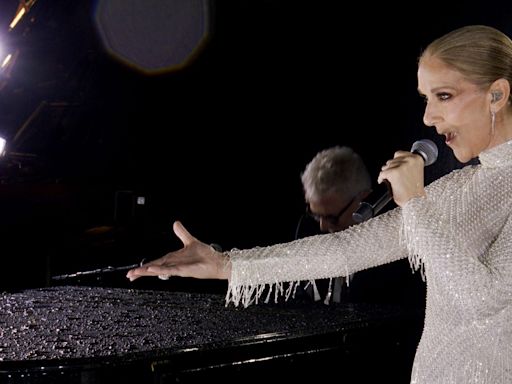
[[457, 108]]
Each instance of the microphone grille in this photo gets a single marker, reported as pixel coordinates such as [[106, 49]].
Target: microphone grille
[[427, 149]]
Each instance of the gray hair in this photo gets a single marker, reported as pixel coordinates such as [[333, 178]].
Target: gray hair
[[337, 169]]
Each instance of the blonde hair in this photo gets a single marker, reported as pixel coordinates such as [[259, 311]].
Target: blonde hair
[[482, 54]]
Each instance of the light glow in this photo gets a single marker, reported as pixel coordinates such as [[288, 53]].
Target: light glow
[[2, 146], [23, 8], [6, 60], [21, 12]]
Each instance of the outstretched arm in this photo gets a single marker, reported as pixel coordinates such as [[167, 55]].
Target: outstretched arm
[[196, 259]]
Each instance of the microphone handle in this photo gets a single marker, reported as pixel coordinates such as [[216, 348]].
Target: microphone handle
[[363, 213], [382, 202], [367, 210]]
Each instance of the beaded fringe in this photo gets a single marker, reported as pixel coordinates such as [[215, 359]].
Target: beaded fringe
[[251, 294], [415, 261]]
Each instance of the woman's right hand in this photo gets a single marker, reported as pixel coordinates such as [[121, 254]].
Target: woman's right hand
[[405, 174], [196, 259]]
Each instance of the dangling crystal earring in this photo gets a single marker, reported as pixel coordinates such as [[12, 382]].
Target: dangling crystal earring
[[493, 122]]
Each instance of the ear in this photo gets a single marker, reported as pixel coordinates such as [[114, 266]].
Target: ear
[[499, 93]]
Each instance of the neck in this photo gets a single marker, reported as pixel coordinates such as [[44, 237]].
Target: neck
[[503, 128]]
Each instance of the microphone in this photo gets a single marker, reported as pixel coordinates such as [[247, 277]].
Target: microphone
[[427, 149]]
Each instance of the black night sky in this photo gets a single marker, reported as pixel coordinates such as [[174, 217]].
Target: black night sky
[[219, 143]]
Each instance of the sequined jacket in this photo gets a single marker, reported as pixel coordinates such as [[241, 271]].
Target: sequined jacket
[[459, 236]]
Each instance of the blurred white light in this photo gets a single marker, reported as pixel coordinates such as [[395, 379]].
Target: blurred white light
[[19, 14], [23, 8], [2, 146], [6, 60]]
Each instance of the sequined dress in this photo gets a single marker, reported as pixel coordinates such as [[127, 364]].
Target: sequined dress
[[459, 236]]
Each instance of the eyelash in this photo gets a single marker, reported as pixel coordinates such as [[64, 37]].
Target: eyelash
[[442, 96]]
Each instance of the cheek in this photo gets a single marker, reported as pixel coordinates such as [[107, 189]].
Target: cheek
[[458, 116], [467, 120], [477, 128]]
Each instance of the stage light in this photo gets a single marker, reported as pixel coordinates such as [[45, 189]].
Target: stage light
[[153, 35], [3, 142], [19, 14], [6, 60], [6, 67], [23, 8]]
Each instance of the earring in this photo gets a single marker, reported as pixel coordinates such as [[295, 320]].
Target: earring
[[493, 122]]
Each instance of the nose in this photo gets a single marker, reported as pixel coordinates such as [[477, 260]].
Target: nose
[[430, 117]]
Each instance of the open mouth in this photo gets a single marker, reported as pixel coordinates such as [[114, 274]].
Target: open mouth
[[449, 137]]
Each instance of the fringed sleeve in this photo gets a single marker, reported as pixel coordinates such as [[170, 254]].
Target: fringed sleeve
[[464, 245], [282, 266]]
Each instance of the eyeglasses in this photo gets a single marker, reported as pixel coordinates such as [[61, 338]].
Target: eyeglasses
[[332, 219]]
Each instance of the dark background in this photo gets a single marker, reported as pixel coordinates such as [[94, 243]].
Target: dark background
[[218, 143]]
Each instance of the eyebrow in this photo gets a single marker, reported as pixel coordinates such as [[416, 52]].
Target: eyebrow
[[437, 89]]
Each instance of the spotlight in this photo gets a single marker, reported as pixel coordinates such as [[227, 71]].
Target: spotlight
[[3, 142], [23, 8]]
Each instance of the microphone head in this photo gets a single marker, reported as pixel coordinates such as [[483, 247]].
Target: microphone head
[[427, 149]]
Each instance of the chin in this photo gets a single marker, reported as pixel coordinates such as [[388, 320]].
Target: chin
[[462, 157]]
